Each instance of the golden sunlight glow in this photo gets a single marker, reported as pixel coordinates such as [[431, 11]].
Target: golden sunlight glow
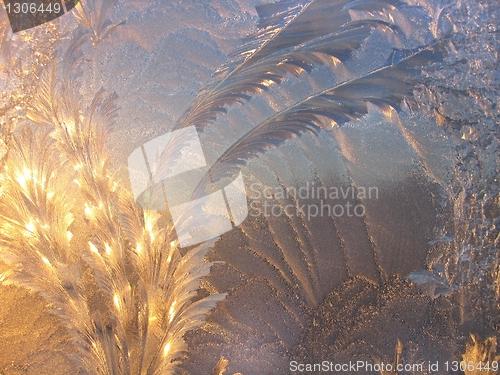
[[27, 37], [171, 312], [23, 178], [267, 82], [335, 61], [93, 248], [69, 235], [249, 52], [31, 226], [167, 349], [116, 300], [46, 261], [149, 225], [149, 221], [108, 249], [70, 126], [88, 210], [333, 123], [172, 245], [389, 112], [138, 248]]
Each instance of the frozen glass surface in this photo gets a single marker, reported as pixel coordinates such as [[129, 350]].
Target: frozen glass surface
[[243, 187]]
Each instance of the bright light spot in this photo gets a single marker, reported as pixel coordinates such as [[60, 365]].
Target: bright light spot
[[50, 194], [267, 82], [31, 226], [149, 228], [116, 300], [139, 248], [77, 182], [22, 180], [167, 349], [171, 312], [93, 248], [27, 38], [149, 225], [172, 245], [70, 235], [389, 112], [88, 210], [335, 61], [46, 261], [108, 249]]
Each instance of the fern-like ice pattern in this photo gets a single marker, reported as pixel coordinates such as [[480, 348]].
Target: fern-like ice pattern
[[330, 92]]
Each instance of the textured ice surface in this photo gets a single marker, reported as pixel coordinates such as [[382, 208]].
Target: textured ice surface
[[326, 288]]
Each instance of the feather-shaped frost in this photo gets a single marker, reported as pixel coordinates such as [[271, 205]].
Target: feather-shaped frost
[[286, 43], [122, 289], [93, 15], [300, 258]]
